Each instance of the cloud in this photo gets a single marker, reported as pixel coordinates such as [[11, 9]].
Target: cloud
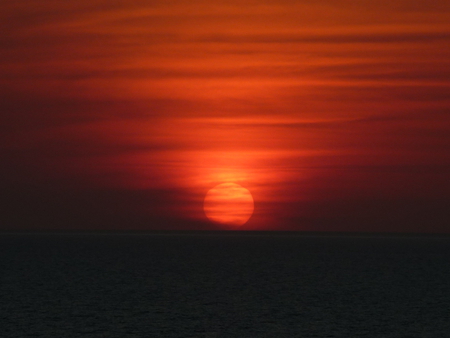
[[349, 38], [53, 207], [134, 108]]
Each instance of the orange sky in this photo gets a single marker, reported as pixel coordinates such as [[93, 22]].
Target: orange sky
[[122, 115]]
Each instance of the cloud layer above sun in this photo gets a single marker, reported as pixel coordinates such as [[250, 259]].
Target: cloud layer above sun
[[119, 115]]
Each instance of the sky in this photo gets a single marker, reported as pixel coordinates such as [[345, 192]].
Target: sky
[[122, 115]]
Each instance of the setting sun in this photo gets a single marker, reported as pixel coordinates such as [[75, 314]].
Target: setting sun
[[229, 204]]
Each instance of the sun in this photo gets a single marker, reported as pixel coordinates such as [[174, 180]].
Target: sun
[[228, 204]]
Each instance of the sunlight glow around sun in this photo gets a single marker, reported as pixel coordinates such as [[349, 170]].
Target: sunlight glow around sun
[[228, 204]]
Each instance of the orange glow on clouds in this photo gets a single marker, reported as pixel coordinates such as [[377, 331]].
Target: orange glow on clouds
[[334, 114]]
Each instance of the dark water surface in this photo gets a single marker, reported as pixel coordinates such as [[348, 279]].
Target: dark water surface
[[223, 285]]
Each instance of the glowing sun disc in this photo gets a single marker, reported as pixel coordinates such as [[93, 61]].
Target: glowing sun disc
[[229, 204]]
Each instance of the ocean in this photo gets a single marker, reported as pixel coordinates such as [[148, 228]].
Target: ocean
[[224, 284]]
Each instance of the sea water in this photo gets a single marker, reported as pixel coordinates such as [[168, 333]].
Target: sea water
[[224, 285]]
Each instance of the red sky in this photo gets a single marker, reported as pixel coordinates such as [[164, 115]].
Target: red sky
[[335, 115]]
